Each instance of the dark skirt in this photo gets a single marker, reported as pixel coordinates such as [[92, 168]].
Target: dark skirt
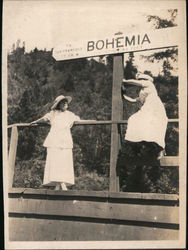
[[137, 166], [139, 153]]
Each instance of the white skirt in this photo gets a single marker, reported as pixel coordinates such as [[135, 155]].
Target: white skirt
[[59, 166], [148, 124]]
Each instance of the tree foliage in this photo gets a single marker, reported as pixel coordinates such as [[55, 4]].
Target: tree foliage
[[168, 55], [159, 23]]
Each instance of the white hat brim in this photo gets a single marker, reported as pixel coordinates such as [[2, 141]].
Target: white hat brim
[[68, 98]]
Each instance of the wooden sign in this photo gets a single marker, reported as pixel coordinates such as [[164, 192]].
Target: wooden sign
[[119, 43]]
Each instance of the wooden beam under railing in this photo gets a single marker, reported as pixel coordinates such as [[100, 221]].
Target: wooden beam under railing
[[12, 154]]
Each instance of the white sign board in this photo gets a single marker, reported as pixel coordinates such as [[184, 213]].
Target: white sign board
[[119, 43]]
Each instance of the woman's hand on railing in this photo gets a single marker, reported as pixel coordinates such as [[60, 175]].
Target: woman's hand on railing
[[32, 123], [40, 120], [37, 122]]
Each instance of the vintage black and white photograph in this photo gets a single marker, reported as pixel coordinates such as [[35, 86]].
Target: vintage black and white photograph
[[94, 124]]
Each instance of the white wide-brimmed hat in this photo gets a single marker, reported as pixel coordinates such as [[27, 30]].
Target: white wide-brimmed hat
[[141, 76], [60, 98]]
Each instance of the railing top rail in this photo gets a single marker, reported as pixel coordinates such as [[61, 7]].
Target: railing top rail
[[89, 122], [85, 122]]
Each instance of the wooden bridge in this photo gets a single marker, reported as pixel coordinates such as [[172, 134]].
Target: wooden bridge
[[42, 215], [46, 215]]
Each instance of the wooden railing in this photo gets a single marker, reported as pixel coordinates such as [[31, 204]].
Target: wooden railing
[[90, 122], [165, 161]]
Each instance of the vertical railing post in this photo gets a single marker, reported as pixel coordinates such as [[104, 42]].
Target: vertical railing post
[[12, 154], [117, 114]]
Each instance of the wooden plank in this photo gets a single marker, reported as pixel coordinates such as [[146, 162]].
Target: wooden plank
[[173, 120], [145, 196], [99, 210], [94, 194], [117, 114], [12, 154], [169, 161], [69, 193], [28, 229]]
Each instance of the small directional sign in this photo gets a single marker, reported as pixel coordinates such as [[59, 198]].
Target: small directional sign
[[118, 43]]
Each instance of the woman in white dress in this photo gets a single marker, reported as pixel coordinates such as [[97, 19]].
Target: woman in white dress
[[59, 171], [145, 134], [150, 122]]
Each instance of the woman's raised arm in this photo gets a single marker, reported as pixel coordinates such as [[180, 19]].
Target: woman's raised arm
[[130, 99], [134, 82], [141, 82]]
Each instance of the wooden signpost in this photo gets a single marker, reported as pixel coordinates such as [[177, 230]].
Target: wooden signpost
[[117, 114], [117, 44]]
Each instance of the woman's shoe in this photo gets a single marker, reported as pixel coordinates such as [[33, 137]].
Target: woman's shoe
[[63, 186], [58, 187], [161, 154]]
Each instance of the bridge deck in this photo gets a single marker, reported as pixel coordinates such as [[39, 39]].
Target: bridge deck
[[83, 215]]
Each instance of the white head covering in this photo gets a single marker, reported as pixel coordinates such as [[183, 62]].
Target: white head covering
[[141, 76], [60, 98]]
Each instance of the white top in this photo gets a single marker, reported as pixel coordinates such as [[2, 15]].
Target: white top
[[60, 134], [150, 122]]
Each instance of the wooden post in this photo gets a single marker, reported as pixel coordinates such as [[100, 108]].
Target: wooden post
[[12, 154], [117, 114]]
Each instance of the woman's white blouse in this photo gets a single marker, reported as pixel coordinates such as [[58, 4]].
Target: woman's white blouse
[[60, 133]]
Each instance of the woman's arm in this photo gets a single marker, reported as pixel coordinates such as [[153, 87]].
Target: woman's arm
[[134, 82], [40, 120], [129, 98], [46, 118]]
